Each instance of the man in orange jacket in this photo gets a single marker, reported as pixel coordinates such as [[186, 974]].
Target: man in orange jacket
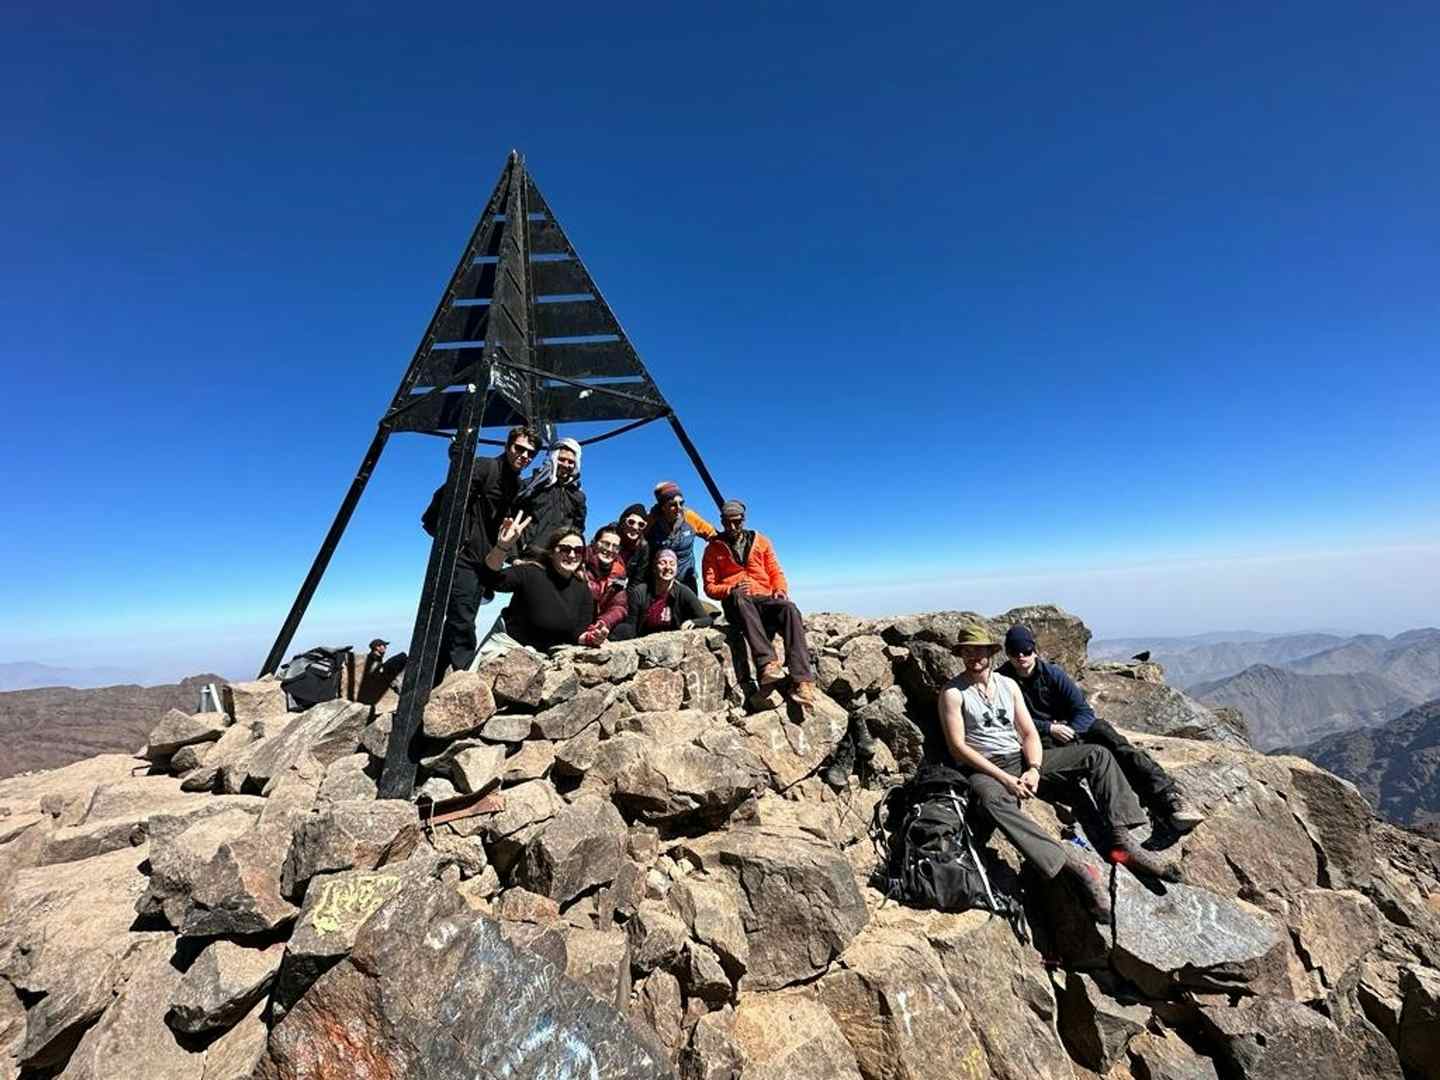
[[741, 571]]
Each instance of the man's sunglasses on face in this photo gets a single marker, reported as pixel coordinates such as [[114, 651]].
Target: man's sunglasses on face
[[1020, 655]]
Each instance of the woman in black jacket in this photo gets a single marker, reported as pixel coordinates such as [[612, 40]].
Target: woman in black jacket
[[550, 601], [662, 603]]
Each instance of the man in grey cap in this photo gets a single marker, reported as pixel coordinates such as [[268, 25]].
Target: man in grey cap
[[741, 571]]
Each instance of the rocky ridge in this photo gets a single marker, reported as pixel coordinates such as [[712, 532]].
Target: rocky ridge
[[632, 869]]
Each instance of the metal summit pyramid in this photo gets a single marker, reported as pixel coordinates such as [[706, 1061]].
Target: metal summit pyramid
[[521, 335]]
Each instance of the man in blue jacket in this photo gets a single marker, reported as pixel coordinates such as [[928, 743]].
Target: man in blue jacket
[[1062, 715]]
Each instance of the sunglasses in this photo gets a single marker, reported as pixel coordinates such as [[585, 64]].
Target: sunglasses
[[522, 449], [1021, 653], [568, 549]]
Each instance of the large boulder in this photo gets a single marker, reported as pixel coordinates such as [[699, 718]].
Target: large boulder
[[1268, 1038], [1121, 694], [459, 706], [324, 734], [224, 983], [177, 729], [799, 902], [361, 835], [578, 849], [793, 742], [432, 991], [788, 1036]]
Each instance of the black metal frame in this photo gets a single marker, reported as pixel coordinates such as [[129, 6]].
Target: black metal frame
[[520, 373]]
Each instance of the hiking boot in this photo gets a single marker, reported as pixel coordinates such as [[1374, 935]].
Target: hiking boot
[[837, 773], [1126, 851], [1180, 813], [860, 735], [772, 672], [1092, 883], [804, 695]]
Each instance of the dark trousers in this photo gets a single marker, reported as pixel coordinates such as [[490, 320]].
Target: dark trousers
[[760, 619], [457, 643], [1060, 769], [1152, 784], [689, 580]]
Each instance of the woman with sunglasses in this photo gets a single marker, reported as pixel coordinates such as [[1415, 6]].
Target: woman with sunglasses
[[550, 601], [662, 603]]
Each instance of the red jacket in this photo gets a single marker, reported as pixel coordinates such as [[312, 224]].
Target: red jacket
[[761, 570], [611, 604]]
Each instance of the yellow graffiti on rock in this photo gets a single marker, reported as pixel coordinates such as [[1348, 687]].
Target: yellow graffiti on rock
[[348, 903]]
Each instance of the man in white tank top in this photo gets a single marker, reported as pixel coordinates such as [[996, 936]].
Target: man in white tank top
[[992, 737]]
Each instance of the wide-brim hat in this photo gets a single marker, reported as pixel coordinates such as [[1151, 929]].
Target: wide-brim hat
[[977, 635]]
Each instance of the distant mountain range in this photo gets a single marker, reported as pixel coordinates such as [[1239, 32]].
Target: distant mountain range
[[1295, 688], [28, 675], [1395, 765], [55, 725]]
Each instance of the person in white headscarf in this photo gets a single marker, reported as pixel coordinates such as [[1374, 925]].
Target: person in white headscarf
[[551, 496]]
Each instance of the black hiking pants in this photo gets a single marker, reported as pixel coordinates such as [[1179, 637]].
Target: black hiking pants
[[1153, 785], [457, 642], [758, 618], [1060, 769]]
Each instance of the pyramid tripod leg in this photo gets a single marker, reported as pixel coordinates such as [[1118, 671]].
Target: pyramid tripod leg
[[695, 459], [327, 549], [397, 775]]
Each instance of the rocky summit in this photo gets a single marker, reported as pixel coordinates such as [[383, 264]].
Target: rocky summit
[[621, 866]]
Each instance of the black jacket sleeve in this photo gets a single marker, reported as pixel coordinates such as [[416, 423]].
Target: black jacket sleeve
[[430, 520], [636, 599], [688, 607], [506, 579], [1082, 717]]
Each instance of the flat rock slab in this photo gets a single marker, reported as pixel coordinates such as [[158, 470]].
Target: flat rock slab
[[358, 835], [177, 729], [789, 1037], [223, 984], [1193, 938], [432, 991], [794, 742], [325, 733]]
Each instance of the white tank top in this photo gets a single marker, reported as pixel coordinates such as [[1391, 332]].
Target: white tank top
[[990, 725]]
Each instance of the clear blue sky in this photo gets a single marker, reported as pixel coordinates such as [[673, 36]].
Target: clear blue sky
[[974, 306]]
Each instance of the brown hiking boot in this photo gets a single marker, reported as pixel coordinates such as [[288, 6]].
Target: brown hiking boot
[[1181, 814], [1127, 852], [1094, 888], [772, 672], [804, 694]]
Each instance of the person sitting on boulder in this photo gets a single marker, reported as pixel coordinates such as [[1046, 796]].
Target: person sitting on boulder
[[662, 603], [741, 571], [552, 496], [634, 548], [550, 601], [991, 737], [1062, 715], [605, 575], [673, 525], [377, 675]]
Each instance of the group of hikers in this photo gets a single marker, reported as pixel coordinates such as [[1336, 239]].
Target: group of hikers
[[636, 575], [1016, 732]]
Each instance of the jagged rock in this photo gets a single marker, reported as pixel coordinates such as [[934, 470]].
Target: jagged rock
[[235, 1054], [666, 777], [64, 946], [711, 911], [131, 1035], [527, 807], [657, 937], [218, 875], [1193, 938], [222, 985], [1059, 636], [1167, 1057], [1266, 1038], [488, 1010], [507, 728], [459, 706], [465, 853], [790, 1037], [1338, 821], [519, 904], [704, 975], [362, 835], [348, 779], [336, 907], [612, 663], [1097, 1028], [572, 716], [437, 789], [238, 741], [375, 736], [532, 761], [1419, 1030], [325, 733], [188, 758], [925, 671], [560, 683], [800, 905], [477, 768], [599, 960], [889, 722], [793, 742], [713, 1053], [657, 690], [664, 650], [705, 682], [866, 669], [291, 794], [657, 1003], [515, 677], [581, 847], [118, 827], [177, 729], [1333, 931], [254, 700], [1138, 705], [575, 756]]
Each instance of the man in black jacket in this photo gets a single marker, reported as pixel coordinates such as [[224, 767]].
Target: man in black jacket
[[1062, 715], [552, 497], [494, 486]]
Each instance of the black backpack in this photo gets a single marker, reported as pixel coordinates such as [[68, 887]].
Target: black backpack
[[927, 856], [314, 676]]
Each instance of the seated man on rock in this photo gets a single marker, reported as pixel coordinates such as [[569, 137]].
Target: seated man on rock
[[991, 737], [741, 571], [1063, 717]]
